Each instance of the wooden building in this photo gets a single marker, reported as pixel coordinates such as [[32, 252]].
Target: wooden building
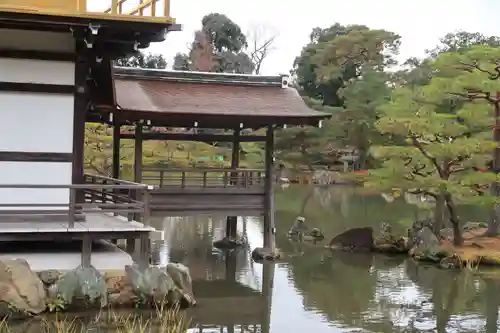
[[54, 56], [198, 103]]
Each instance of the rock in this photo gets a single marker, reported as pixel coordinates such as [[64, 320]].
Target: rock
[[298, 228], [49, 277], [451, 262], [22, 289], [427, 246], [469, 226], [150, 286], [356, 240], [446, 234], [228, 243], [386, 242], [400, 245], [314, 234], [265, 254], [182, 279], [83, 287]]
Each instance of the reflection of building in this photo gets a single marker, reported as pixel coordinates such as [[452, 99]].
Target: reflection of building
[[224, 299]]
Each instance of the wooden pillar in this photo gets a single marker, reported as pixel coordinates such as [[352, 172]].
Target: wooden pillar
[[131, 242], [86, 251], [232, 221], [81, 103], [116, 151], [138, 153], [269, 191]]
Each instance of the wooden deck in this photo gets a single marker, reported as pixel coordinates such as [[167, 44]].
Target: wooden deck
[[183, 192], [94, 223]]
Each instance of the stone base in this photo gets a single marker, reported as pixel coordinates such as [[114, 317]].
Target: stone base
[[228, 243], [265, 254], [28, 293]]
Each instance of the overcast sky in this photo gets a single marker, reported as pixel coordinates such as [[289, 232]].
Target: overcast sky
[[420, 23]]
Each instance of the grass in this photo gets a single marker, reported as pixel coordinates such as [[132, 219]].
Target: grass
[[162, 320]]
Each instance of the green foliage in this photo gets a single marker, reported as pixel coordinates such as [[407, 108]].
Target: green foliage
[[440, 153], [141, 60]]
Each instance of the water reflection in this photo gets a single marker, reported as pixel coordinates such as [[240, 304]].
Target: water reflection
[[315, 289]]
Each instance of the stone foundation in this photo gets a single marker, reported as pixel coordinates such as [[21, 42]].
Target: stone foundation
[[28, 293]]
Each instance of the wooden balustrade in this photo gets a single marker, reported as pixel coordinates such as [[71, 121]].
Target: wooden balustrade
[[102, 195], [141, 8], [204, 178], [144, 8]]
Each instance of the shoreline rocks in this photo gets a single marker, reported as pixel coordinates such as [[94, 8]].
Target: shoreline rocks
[[26, 293]]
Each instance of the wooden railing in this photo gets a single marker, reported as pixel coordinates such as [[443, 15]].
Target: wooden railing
[[145, 8], [205, 178], [142, 8], [102, 196]]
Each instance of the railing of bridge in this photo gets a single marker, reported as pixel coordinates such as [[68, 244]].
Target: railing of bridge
[[204, 178], [99, 195]]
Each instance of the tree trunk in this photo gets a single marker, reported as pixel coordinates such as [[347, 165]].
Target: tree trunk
[[454, 219], [438, 224], [494, 216]]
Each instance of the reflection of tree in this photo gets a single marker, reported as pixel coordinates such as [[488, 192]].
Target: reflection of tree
[[454, 294], [338, 208]]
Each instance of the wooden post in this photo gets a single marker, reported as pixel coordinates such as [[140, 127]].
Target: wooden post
[[232, 221], [138, 153], [86, 250], [80, 106], [269, 191], [116, 151], [137, 176], [144, 251]]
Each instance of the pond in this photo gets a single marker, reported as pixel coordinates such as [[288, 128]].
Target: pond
[[317, 290]]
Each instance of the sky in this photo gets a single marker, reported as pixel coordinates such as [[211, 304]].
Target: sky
[[420, 23]]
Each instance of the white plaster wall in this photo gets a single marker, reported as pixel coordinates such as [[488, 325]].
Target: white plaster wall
[[36, 122], [39, 173], [37, 71], [36, 40]]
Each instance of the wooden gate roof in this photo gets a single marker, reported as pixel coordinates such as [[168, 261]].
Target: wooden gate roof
[[176, 98]]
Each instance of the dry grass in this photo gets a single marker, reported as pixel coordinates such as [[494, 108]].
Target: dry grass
[[477, 249], [163, 320]]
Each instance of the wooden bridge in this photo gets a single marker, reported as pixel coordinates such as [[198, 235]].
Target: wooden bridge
[[184, 192]]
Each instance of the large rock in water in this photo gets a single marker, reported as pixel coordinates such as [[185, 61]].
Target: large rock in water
[[21, 289], [427, 246], [355, 240]]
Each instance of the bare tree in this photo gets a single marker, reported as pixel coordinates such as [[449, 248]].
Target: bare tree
[[261, 40]]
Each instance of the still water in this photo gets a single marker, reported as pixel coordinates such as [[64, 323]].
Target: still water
[[317, 290]]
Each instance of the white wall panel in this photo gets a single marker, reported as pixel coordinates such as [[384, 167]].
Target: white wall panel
[[36, 122]]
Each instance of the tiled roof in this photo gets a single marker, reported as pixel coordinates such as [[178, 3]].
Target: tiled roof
[[194, 94]]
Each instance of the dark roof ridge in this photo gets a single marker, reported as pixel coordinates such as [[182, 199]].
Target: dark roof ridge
[[200, 77]]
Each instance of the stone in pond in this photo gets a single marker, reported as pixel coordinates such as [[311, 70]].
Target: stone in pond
[[265, 254], [228, 243], [355, 240], [22, 291]]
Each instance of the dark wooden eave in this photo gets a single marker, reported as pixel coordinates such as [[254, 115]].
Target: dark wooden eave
[[115, 35], [206, 100]]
